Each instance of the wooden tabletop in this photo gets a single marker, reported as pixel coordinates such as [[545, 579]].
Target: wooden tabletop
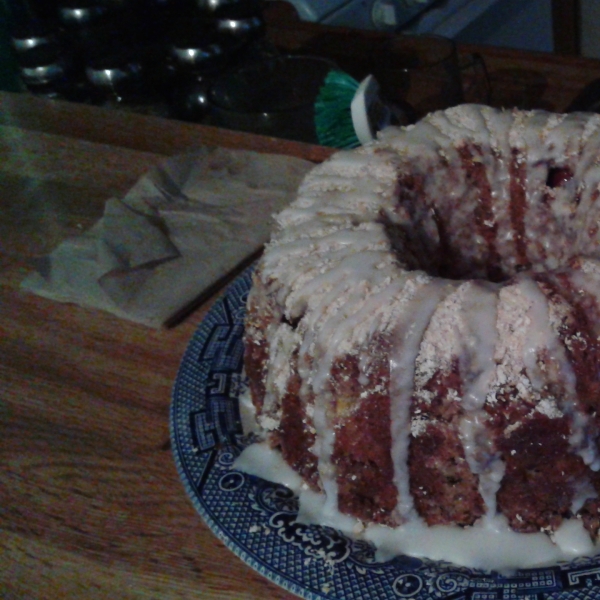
[[91, 505]]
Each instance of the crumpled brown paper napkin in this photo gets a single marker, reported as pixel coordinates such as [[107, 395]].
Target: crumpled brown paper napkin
[[180, 230]]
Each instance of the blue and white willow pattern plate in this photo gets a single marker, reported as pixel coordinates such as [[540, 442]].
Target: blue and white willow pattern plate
[[256, 518]]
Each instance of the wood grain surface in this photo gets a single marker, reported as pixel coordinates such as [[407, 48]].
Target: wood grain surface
[[91, 505]]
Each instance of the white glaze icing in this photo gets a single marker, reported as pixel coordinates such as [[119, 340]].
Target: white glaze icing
[[490, 544], [425, 295]]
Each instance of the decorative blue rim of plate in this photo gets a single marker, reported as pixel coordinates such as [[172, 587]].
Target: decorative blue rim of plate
[[256, 518]]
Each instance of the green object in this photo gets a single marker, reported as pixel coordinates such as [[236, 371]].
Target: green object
[[333, 118]]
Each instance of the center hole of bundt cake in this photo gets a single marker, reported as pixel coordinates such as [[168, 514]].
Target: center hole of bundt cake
[[429, 248], [483, 232]]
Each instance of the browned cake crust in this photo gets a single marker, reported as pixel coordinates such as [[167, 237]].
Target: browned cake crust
[[444, 489], [364, 469]]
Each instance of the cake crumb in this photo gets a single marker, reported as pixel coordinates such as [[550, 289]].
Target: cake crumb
[[549, 408], [359, 527]]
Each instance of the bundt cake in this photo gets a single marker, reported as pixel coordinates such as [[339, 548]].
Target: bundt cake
[[422, 334]]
